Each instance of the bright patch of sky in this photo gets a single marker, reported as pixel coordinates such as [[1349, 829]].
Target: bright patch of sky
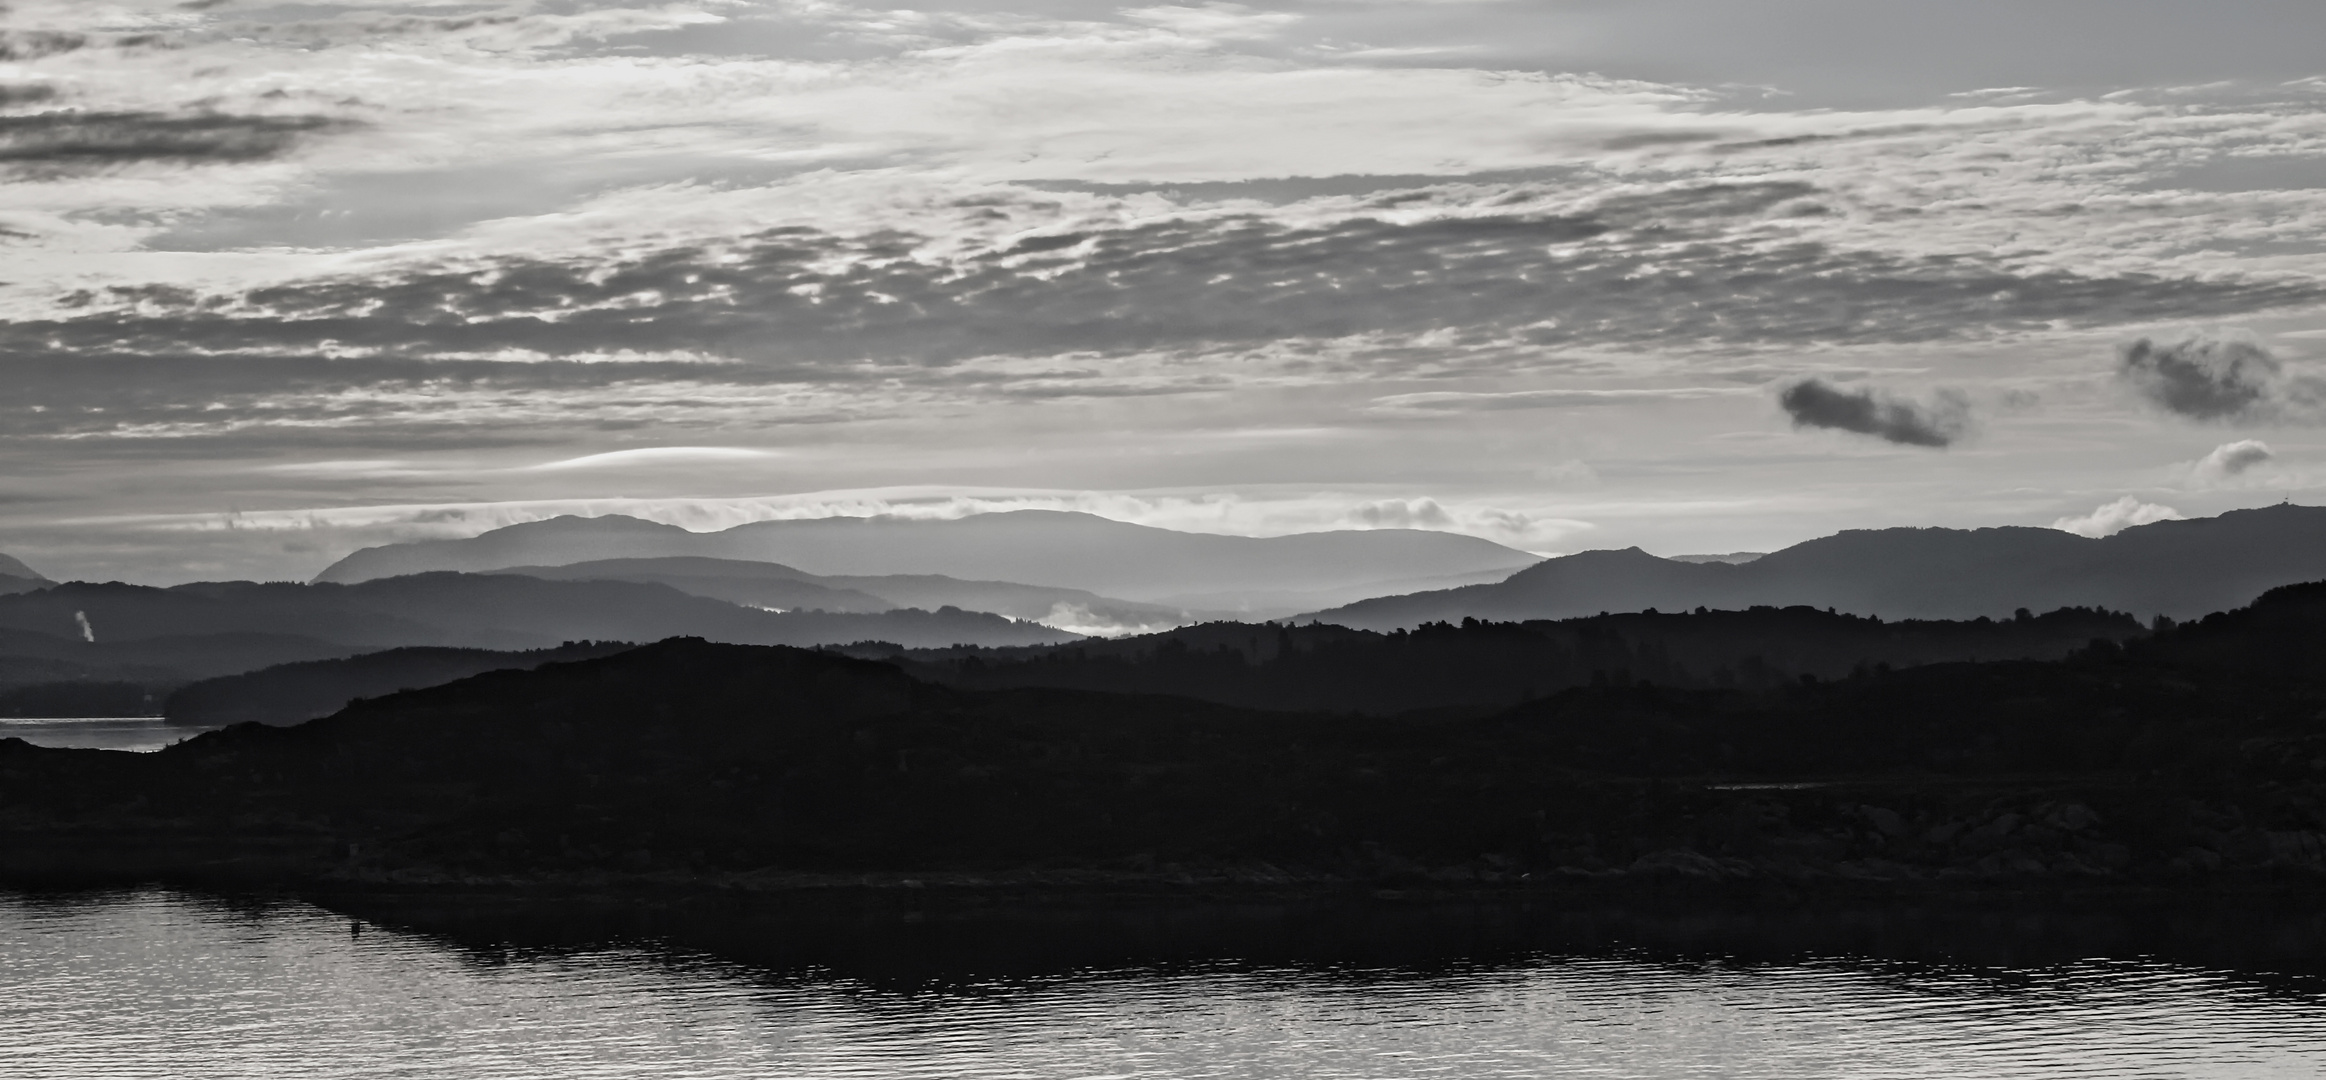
[[328, 274]]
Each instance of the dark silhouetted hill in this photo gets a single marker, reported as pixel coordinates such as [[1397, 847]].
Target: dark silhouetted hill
[[1494, 665], [1035, 547], [2188, 761], [2183, 569], [490, 611], [170, 656], [295, 693]]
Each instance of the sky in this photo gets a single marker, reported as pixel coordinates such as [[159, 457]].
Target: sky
[[278, 281]]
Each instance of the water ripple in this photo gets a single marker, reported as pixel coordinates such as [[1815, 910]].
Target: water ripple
[[154, 984]]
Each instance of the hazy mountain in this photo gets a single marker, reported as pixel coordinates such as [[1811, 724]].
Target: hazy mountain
[[505, 611], [774, 585], [2178, 568], [28, 656], [15, 577], [737, 581], [1036, 547]]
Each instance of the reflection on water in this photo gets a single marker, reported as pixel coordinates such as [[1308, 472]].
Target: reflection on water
[[160, 984], [143, 734]]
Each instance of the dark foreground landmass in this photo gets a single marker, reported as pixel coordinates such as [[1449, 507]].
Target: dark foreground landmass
[[2190, 761], [1487, 665]]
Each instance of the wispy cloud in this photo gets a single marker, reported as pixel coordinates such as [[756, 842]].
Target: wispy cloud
[[657, 455], [1465, 401], [2230, 460], [2111, 518]]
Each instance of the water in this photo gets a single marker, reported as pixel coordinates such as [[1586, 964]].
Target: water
[[160, 984], [141, 734]]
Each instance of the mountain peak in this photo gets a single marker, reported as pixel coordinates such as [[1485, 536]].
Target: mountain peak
[[11, 567]]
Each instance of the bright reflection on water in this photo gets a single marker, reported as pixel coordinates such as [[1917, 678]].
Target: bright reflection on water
[[153, 984], [141, 734]]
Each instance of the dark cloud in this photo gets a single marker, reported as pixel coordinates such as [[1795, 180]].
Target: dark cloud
[[2233, 459], [25, 94], [21, 45], [71, 141], [1815, 403], [2209, 377]]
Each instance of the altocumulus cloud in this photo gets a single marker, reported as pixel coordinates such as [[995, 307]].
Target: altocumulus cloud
[[1690, 266], [1938, 422]]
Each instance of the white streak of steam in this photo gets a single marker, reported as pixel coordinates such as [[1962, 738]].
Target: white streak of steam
[[87, 634]]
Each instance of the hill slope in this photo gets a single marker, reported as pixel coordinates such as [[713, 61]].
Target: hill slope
[[15, 577], [295, 693], [774, 585], [2191, 756], [2184, 569], [504, 611]]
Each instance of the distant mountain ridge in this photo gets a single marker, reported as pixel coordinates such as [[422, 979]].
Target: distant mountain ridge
[[2184, 569], [774, 585], [15, 577], [1032, 547], [505, 611], [164, 637]]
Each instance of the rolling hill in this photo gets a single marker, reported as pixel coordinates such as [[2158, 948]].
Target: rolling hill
[[774, 585], [2184, 569]]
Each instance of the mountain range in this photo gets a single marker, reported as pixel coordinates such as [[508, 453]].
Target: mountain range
[[161, 637], [1257, 576], [2184, 569], [2187, 762]]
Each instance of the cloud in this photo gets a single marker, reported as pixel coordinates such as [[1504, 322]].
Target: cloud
[[2230, 460], [656, 455], [1189, 301], [1459, 401], [1401, 514], [2229, 378], [25, 93], [68, 141], [17, 46], [2110, 518], [1938, 422]]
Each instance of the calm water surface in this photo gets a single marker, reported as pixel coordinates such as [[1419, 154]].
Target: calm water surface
[[142, 734], [160, 984]]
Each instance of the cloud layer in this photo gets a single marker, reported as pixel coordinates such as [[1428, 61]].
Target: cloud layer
[[1360, 264]]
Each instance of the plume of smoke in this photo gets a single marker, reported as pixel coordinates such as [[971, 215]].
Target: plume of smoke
[[2110, 518], [88, 633], [1936, 423]]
